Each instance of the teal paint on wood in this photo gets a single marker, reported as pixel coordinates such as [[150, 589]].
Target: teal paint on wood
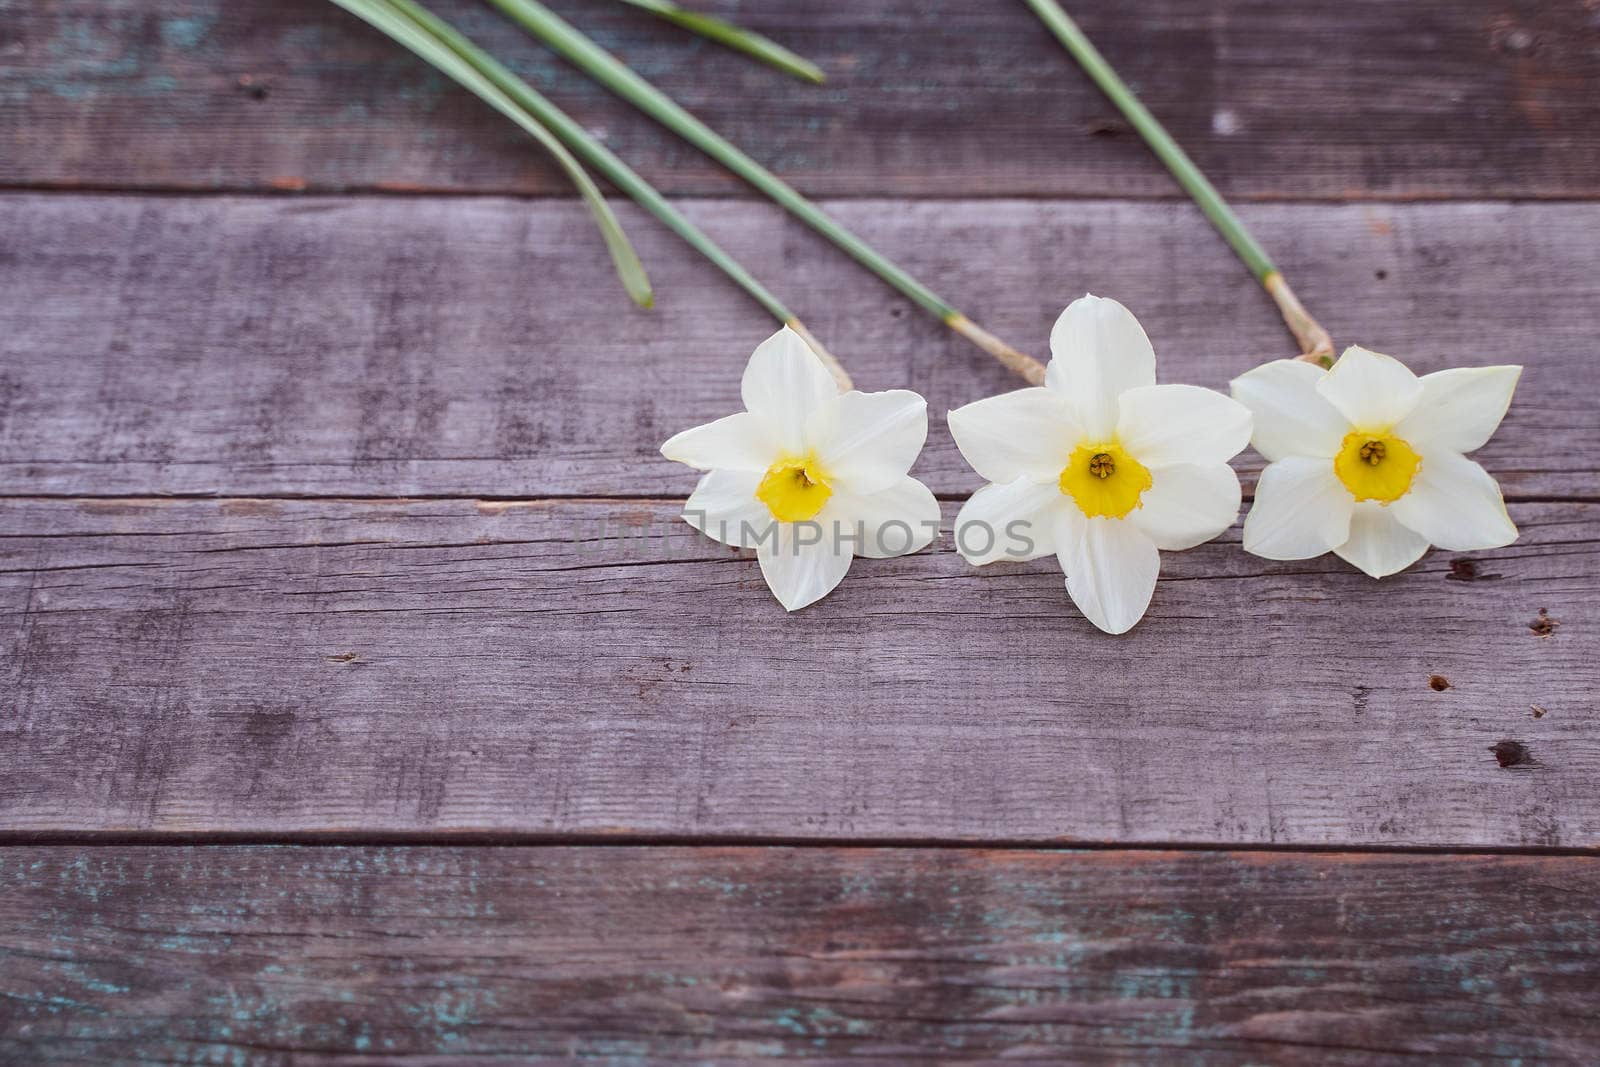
[[736, 955], [186, 32]]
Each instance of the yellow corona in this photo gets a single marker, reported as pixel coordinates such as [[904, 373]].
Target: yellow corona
[[794, 490], [1104, 481], [1376, 466]]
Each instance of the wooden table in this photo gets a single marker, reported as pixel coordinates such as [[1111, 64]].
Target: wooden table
[[363, 701]]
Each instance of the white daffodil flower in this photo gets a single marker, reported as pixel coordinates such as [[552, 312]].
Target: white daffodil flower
[[1101, 466], [1366, 460], [808, 477]]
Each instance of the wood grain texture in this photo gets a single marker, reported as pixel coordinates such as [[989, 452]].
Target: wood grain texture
[[732, 956], [311, 657], [482, 347], [1429, 98], [596, 668]]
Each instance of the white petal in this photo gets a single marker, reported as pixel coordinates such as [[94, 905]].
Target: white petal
[[1455, 504], [894, 521], [1098, 351], [1370, 389], [876, 438], [1187, 505], [1111, 569], [1164, 424], [724, 508], [1301, 510], [1291, 417], [787, 385], [1460, 409], [1013, 522], [1028, 433], [802, 564], [1378, 544], [739, 442]]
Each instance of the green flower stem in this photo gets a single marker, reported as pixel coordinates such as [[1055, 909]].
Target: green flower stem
[[737, 38], [385, 18], [603, 160], [600, 65], [1315, 344]]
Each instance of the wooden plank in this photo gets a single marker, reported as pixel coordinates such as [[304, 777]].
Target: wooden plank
[[741, 955], [444, 346], [1431, 98], [595, 668]]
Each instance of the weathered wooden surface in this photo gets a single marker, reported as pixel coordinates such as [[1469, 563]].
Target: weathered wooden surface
[[581, 669], [482, 347], [730, 956], [1427, 98], [596, 668]]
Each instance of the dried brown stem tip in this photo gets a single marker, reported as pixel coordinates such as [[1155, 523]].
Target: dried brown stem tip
[[835, 368], [1019, 363], [1316, 346]]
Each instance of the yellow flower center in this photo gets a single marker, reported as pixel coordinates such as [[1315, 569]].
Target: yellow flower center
[[1103, 480], [794, 490], [1376, 466]]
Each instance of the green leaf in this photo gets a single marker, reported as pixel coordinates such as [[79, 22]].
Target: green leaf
[[1314, 340], [617, 76], [1155, 135], [395, 22], [739, 39], [595, 154]]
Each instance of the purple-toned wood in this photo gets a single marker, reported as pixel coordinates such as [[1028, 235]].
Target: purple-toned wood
[[1425, 99], [594, 668], [306, 658], [483, 347], [735, 956]]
